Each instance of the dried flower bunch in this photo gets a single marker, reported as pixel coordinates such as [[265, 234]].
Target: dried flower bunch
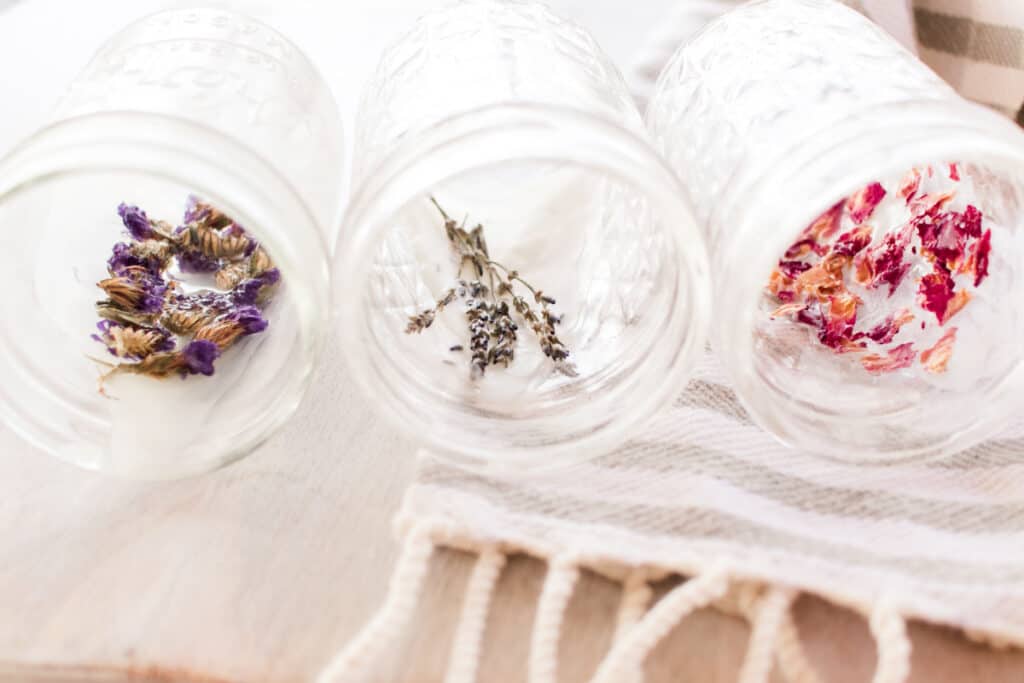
[[152, 322], [490, 298], [840, 254]]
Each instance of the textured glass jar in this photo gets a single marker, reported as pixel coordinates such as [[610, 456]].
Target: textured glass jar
[[200, 102], [515, 119], [770, 116]]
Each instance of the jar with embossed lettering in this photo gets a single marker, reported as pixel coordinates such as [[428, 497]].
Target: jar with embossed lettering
[[180, 111], [578, 307], [865, 227]]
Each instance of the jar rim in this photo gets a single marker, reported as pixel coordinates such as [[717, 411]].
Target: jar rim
[[221, 170], [956, 131], [541, 132]]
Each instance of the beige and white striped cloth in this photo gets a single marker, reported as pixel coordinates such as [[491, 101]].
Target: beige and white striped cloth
[[705, 494]]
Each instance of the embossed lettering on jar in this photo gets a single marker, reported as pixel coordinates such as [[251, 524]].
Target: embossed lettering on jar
[[208, 148], [866, 228]]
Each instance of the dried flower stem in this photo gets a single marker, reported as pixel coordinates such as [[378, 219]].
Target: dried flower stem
[[492, 331]]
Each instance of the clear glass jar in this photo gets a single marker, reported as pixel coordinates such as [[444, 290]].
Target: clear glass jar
[[771, 116], [514, 119], [193, 102]]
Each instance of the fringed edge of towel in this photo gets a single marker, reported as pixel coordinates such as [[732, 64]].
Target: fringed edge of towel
[[774, 640]]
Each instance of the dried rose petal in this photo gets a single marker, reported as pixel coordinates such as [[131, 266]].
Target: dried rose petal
[[792, 269], [884, 263], [823, 280], [896, 359], [884, 332], [839, 320], [853, 242], [936, 359], [982, 249], [805, 246], [935, 294], [785, 296], [910, 184], [863, 204], [954, 172]]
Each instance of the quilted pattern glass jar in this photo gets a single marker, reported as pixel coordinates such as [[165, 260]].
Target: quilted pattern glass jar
[[786, 114], [201, 102], [514, 119]]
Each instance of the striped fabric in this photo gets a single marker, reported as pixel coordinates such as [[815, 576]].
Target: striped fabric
[[978, 47], [942, 541], [703, 486]]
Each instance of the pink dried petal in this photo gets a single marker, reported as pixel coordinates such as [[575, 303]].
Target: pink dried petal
[[944, 235], [884, 332], [884, 264], [792, 269], [982, 250], [863, 204], [785, 297], [853, 242], [901, 357], [910, 184], [954, 172], [935, 293], [839, 320], [936, 359], [821, 228]]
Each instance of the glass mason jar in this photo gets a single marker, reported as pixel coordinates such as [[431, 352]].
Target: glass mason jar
[[201, 103], [513, 119], [863, 308]]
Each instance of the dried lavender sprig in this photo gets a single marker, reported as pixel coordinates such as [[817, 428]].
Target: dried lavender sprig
[[493, 334]]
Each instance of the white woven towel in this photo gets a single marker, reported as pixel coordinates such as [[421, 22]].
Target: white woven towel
[[704, 493]]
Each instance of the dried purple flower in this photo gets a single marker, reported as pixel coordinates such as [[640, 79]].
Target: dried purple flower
[[249, 291], [194, 261], [199, 357], [135, 221], [250, 319]]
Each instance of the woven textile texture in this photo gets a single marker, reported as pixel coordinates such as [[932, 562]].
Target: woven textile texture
[[704, 493]]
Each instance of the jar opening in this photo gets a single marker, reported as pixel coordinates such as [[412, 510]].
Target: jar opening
[[609, 250], [888, 326], [60, 214]]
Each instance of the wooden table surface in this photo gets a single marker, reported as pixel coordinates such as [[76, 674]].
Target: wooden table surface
[[261, 571]]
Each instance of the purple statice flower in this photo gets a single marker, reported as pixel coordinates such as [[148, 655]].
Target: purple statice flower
[[195, 210], [194, 261], [104, 327], [123, 258], [249, 319], [135, 221], [199, 356], [246, 293], [155, 289]]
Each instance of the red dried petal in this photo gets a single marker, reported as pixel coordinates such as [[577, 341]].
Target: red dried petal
[[944, 235], [792, 269], [884, 263], [820, 229], [936, 359], [954, 172], [901, 357], [935, 294], [981, 257], [863, 204], [884, 332], [785, 297], [853, 242], [910, 184]]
